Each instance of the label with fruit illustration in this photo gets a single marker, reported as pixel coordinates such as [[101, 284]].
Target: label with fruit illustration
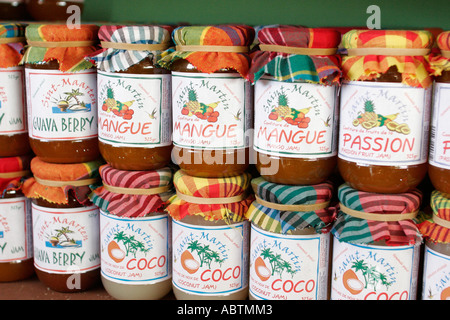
[[16, 241], [135, 250], [288, 267], [383, 123], [66, 240], [440, 130], [210, 260], [61, 105], [211, 111], [369, 272], [296, 120], [436, 275], [134, 110], [12, 101]]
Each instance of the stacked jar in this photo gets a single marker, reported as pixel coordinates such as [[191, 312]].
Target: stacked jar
[[61, 90], [212, 107], [134, 123]]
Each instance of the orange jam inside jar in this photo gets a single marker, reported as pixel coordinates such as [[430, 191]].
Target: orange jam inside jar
[[15, 217], [212, 103], [384, 118], [61, 96], [134, 98], [52, 10]]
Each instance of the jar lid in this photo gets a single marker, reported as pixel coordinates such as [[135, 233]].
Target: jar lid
[[370, 53], [281, 208], [212, 198], [125, 46], [366, 217], [132, 193], [441, 62], [55, 182], [12, 171], [212, 48], [437, 227], [67, 46], [292, 53], [12, 40]]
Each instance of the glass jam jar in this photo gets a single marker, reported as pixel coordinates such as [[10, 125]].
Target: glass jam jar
[[13, 10], [16, 256], [52, 10], [134, 98], [61, 96]]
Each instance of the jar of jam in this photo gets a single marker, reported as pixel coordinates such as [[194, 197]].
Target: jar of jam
[[210, 237], [439, 157], [376, 246], [135, 233], [385, 110], [435, 229], [212, 103], [61, 92], [134, 98], [296, 75], [53, 10], [13, 121], [66, 235], [16, 243], [290, 241], [13, 10]]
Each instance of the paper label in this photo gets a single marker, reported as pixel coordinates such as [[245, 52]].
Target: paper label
[[135, 250], [66, 240], [288, 267], [211, 111], [12, 101], [383, 123], [134, 110], [61, 105], [210, 260], [364, 272], [436, 276], [296, 120], [16, 242], [440, 130]]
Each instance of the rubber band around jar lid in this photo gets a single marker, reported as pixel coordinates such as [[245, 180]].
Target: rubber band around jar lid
[[74, 183], [211, 48], [445, 53], [442, 222], [200, 200], [7, 175], [388, 51], [12, 40], [293, 207], [137, 191], [61, 44], [378, 216], [135, 46], [298, 50]]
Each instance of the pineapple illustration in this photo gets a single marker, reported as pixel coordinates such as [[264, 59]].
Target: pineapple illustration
[[199, 109], [121, 109], [290, 115]]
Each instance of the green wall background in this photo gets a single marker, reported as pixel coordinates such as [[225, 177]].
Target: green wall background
[[395, 14]]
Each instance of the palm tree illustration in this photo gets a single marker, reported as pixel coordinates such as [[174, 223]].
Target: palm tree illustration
[[73, 95], [278, 265], [63, 232], [372, 277], [205, 253], [132, 246]]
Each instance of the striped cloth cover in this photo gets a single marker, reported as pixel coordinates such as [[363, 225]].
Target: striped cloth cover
[[129, 205], [113, 60], [415, 70], [440, 205], [11, 53], [295, 67], [362, 231], [285, 221], [209, 62], [13, 164], [210, 188], [438, 62]]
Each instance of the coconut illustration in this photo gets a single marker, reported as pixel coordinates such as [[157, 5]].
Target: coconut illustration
[[351, 282], [115, 252], [188, 262], [261, 269]]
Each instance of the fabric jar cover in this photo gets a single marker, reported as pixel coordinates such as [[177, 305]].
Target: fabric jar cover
[[13, 170], [56, 182], [12, 41], [211, 61], [69, 47], [323, 69], [112, 59], [209, 189], [284, 221], [441, 62], [413, 67], [437, 227], [119, 203], [353, 229]]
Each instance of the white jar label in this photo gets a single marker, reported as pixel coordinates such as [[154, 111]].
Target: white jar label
[[61, 105], [440, 130], [436, 276], [16, 242], [296, 120], [135, 250], [211, 111], [12, 101], [288, 267], [134, 110], [385, 124], [210, 260], [66, 240], [366, 272]]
